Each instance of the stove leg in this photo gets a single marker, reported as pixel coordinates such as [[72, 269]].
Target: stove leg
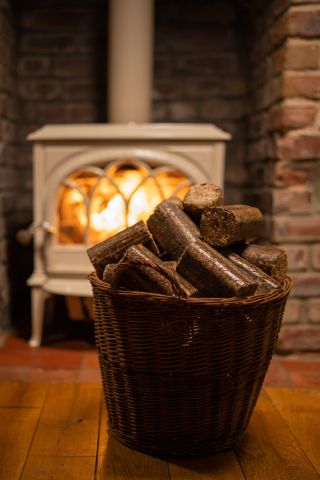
[[38, 297]]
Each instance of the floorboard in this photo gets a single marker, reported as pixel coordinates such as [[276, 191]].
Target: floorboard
[[220, 466], [17, 427], [268, 450], [301, 411], [59, 468], [69, 422]]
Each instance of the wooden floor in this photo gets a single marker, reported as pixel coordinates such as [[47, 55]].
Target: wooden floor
[[57, 431]]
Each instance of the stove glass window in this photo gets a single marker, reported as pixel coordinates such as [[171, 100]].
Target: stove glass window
[[96, 203]]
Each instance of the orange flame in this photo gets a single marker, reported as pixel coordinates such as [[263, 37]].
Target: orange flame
[[132, 196]]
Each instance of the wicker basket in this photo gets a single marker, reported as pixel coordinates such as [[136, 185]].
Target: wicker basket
[[182, 376]]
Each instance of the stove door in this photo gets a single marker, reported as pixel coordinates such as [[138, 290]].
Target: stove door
[[89, 202]]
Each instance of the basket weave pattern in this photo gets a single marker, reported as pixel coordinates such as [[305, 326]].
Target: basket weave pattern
[[182, 376]]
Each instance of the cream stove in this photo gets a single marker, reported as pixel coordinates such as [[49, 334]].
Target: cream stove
[[77, 169]]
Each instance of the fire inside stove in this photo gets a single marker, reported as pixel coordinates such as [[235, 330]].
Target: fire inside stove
[[95, 203]]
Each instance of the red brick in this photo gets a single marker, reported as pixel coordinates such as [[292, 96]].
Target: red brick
[[279, 6], [8, 107], [81, 112], [194, 87], [298, 257], [298, 116], [315, 176], [260, 73], [306, 285], [313, 310], [74, 67], [28, 112], [220, 109], [273, 91], [235, 86], [193, 38], [40, 89], [57, 18], [299, 339], [44, 43], [222, 12], [292, 312], [7, 130], [297, 199], [304, 23], [3, 250], [301, 55], [278, 60], [183, 111], [166, 88], [8, 178], [285, 174], [299, 147], [301, 84], [261, 48], [80, 89], [257, 125], [285, 117], [34, 66], [300, 229], [316, 257], [3, 228], [207, 64], [160, 112], [51, 113], [279, 30]]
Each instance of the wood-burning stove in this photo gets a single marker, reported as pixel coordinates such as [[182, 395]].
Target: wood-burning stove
[[78, 170]]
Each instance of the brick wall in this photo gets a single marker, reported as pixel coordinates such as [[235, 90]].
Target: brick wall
[[201, 73], [8, 167], [61, 68], [284, 153]]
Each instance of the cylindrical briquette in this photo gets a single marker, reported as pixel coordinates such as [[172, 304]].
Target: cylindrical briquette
[[200, 197], [265, 282], [145, 272], [108, 272], [112, 249], [224, 226], [272, 260], [172, 229], [212, 273]]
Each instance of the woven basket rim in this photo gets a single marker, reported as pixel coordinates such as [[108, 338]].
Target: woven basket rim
[[256, 299]]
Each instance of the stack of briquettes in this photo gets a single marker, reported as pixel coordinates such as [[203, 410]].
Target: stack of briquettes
[[197, 247]]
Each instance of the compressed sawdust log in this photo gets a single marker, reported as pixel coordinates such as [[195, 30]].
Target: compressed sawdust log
[[171, 264], [172, 229], [176, 201], [200, 197], [227, 225], [272, 260], [140, 270], [112, 249], [212, 273], [264, 281], [108, 272]]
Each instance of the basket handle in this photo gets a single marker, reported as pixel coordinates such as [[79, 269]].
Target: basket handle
[[137, 261]]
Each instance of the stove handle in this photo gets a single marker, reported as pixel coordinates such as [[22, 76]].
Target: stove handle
[[25, 235]]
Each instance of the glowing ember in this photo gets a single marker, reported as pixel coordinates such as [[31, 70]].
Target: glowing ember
[[112, 202]]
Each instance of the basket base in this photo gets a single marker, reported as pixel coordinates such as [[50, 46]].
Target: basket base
[[165, 452]]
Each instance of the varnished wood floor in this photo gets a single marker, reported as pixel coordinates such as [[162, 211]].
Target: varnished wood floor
[[57, 431]]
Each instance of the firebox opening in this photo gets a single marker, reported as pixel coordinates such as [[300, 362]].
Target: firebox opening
[[98, 202]]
